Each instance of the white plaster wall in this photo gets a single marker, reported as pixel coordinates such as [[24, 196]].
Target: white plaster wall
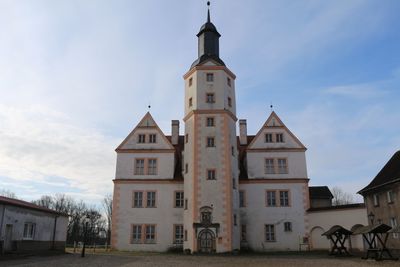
[[255, 215], [18, 216], [343, 217], [164, 216], [296, 161], [126, 165]]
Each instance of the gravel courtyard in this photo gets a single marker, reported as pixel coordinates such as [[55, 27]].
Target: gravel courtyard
[[174, 260]]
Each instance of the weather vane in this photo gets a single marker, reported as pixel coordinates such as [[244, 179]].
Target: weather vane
[[272, 107]]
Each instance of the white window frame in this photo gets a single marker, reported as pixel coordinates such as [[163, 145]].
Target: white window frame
[[152, 166], [269, 169], [29, 231], [151, 197], [137, 234], [150, 234], [270, 235], [153, 138], [282, 166], [138, 199]]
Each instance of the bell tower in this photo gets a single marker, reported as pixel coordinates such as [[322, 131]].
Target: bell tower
[[211, 214]]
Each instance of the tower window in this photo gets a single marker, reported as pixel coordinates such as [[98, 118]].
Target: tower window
[[179, 201], [142, 138], [210, 77], [186, 138], [228, 81], [211, 175], [190, 102], [242, 199], [186, 168], [210, 122], [229, 102], [190, 81], [210, 98], [210, 142], [234, 219]]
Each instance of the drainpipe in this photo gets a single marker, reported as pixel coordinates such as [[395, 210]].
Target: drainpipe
[[54, 232], [1, 229]]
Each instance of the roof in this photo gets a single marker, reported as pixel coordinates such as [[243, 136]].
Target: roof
[[337, 229], [376, 228], [390, 173], [320, 192], [27, 205], [338, 207]]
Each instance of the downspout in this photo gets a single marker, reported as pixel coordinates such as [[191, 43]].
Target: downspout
[[1, 229], [54, 232]]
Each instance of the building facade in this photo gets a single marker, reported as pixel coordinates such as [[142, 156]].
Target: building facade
[[211, 189]]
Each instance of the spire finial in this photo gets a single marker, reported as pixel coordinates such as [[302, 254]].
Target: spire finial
[[208, 12]]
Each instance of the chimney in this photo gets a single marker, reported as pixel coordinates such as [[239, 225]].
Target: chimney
[[243, 132], [175, 132]]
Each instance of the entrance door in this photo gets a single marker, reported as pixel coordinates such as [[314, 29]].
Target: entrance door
[[206, 241], [8, 240]]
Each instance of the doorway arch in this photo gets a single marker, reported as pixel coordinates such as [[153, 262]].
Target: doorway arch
[[206, 241]]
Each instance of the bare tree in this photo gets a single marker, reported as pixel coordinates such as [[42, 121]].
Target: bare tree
[[340, 197], [7, 193], [44, 201], [107, 206]]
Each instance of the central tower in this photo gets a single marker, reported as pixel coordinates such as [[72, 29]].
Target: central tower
[[211, 217]]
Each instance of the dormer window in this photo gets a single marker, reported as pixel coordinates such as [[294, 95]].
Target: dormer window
[[210, 98], [210, 77], [152, 138], [142, 138], [279, 138], [268, 138]]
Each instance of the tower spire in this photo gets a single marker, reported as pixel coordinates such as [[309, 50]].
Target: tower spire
[[208, 12]]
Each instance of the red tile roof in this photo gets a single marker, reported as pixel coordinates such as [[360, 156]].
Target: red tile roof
[[27, 205]]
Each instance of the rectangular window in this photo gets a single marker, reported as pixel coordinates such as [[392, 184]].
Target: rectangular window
[[234, 183], [376, 200], [29, 230], [150, 236], [186, 138], [233, 151], [137, 199], [229, 102], [288, 226], [211, 175], [210, 77], [186, 235], [186, 204], [210, 122], [271, 198], [151, 199], [142, 138], [178, 236], [234, 219], [242, 200], [186, 168], [390, 196], [190, 81], [190, 102], [152, 138], [179, 199], [243, 232], [139, 167], [152, 167], [282, 166], [210, 142], [268, 138], [279, 138], [393, 223], [270, 232], [136, 234], [284, 198], [210, 98], [269, 166], [228, 81]]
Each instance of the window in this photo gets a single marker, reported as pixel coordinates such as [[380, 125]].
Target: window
[[190, 102], [142, 138], [179, 199], [243, 232], [228, 81], [393, 223], [29, 230], [210, 122], [279, 138], [210, 142], [242, 201], [268, 138], [186, 204], [136, 234], [210, 98], [190, 81], [152, 138], [288, 226], [186, 235], [271, 198], [139, 167], [211, 175], [206, 217], [229, 102], [269, 166], [234, 183], [284, 198], [186, 168], [178, 236], [152, 167], [269, 232], [282, 166], [186, 138], [137, 199], [150, 236], [233, 151], [210, 77], [390, 196], [234, 219], [376, 200], [151, 199]]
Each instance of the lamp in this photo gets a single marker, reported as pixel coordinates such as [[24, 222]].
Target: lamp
[[371, 217]]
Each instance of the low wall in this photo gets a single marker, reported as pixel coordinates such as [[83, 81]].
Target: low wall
[[39, 246]]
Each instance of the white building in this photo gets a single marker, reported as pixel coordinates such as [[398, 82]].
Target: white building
[[210, 190]]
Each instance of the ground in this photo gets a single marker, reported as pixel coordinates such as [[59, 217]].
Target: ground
[[125, 259]]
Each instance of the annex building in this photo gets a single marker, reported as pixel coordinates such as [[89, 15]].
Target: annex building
[[215, 188]]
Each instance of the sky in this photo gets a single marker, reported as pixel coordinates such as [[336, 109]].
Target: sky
[[77, 76]]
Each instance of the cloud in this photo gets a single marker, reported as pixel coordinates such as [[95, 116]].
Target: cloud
[[358, 91]]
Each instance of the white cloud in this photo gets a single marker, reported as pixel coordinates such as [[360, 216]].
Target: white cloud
[[359, 91]]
